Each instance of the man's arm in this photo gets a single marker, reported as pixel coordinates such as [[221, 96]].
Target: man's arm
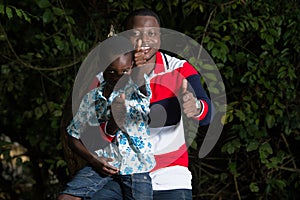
[[196, 104]]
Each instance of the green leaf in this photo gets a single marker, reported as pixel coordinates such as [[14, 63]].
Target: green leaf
[[19, 13], [194, 145], [215, 53], [9, 12], [270, 119], [206, 39], [253, 187], [254, 24], [27, 18], [231, 147], [214, 90], [226, 38], [210, 45], [274, 161], [70, 20], [2, 37], [208, 67], [159, 6], [58, 11], [253, 145], [270, 39], [47, 16], [61, 163], [57, 113], [44, 3], [210, 76], [201, 8], [232, 168], [59, 43], [240, 114], [264, 151], [38, 112]]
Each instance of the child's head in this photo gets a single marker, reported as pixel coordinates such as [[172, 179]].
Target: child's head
[[122, 65], [118, 51]]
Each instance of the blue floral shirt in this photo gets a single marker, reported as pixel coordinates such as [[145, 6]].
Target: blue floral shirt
[[132, 152]]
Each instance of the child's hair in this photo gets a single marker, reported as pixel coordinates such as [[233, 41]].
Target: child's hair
[[111, 48], [115, 46], [139, 12]]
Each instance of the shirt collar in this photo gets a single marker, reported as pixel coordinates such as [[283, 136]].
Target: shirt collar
[[159, 64]]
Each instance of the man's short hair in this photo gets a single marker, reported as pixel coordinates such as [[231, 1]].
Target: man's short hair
[[139, 12]]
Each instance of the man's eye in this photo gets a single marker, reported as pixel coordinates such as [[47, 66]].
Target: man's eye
[[136, 33], [151, 33]]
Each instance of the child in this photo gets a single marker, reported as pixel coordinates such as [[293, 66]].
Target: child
[[129, 147]]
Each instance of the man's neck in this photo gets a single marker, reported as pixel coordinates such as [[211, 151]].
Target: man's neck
[[150, 65]]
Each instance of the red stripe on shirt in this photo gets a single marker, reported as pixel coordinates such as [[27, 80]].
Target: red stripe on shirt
[[104, 135], [178, 157], [95, 83], [187, 70], [159, 65], [204, 110]]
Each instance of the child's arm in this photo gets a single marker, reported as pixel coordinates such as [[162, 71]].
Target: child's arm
[[118, 114], [78, 126], [100, 164]]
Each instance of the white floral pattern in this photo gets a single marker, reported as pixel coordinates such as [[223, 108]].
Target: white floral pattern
[[132, 152]]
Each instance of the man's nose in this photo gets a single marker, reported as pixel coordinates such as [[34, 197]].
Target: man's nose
[[145, 37]]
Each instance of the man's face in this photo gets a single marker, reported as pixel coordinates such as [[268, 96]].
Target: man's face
[[147, 29]]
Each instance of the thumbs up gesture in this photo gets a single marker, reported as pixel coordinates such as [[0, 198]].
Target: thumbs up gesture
[[188, 101]]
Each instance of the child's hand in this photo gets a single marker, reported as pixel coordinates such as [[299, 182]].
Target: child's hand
[[101, 165]]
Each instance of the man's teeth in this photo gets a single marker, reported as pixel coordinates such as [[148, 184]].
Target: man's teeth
[[145, 48]]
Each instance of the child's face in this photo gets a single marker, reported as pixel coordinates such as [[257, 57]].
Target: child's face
[[121, 66]]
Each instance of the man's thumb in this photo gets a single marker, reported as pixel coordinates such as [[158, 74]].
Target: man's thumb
[[184, 86]]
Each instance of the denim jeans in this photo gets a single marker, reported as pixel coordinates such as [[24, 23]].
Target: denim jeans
[[85, 183], [127, 187], [112, 191], [179, 194]]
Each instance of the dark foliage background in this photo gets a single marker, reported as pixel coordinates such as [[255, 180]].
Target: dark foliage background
[[255, 44]]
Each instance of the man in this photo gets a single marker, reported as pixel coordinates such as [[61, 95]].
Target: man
[[173, 84], [171, 178]]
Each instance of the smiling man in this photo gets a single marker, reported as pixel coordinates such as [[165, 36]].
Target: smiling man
[[176, 89]]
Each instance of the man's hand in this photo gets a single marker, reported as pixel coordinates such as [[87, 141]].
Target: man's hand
[[139, 55], [188, 101]]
